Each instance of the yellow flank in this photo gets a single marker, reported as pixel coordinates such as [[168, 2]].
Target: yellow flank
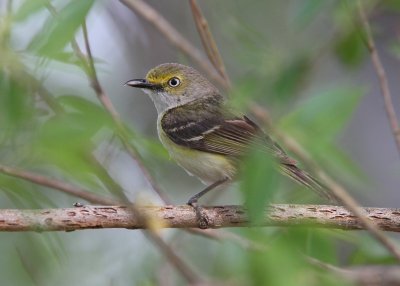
[[208, 167]]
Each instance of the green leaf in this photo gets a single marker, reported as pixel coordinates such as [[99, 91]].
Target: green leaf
[[394, 49], [317, 121], [307, 11], [322, 116], [291, 78], [243, 92], [318, 244], [338, 162], [24, 194], [67, 140], [350, 49], [67, 58], [259, 182], [283, 262], [82, 105], [392, 5], [369, 251], [28, 8], [16, 102], [151, 147], [58, 31]]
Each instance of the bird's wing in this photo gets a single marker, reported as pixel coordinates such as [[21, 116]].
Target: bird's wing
[[210, 128]]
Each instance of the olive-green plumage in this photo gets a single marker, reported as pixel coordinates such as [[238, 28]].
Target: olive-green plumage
[[201, 133]]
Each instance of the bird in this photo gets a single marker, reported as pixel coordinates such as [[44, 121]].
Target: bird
[[203, 135]]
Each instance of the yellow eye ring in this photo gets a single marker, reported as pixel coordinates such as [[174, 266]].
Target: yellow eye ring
[[174, 82]]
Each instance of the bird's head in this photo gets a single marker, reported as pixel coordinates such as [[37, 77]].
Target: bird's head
[[170, 85]]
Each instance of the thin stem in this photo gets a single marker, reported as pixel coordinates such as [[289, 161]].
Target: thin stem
[[106, 102], [179, 264], [58, 185], [221, 236], [340, 192], [381, 73], [184, 269], [94, 81], [208, 41], [174, 37]]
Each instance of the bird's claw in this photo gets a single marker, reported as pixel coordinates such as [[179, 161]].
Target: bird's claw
[[201, 217]]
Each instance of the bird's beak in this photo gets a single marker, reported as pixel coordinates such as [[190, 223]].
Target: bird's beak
[[140, 83]]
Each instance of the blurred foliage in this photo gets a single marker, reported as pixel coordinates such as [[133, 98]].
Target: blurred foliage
[[259, 182], [311, 125], [52, 126]]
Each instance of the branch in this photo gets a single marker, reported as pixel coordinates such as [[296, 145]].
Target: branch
[[380, 71], [174, 37], [183, 216], [107, 104], [208, 41]]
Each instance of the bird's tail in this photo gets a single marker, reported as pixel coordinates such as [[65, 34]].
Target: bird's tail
[[307, 180]]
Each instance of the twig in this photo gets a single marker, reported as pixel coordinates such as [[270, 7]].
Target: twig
[[381, 73], [58, 185], [185, 270], [340, 192], [321, 264], [222, 235], [38, 87], [174, 37], [208, 41], [106, 102], [183, 216], [92, 75], [180, 265], [90, 70], [373, 275], [370, 275]]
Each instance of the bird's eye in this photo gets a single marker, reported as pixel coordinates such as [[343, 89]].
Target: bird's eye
[[174, 82]]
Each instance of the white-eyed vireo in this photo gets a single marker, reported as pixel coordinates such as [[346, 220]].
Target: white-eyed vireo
[[201, 134]]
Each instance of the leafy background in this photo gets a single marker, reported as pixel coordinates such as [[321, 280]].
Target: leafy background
[[304, 61]]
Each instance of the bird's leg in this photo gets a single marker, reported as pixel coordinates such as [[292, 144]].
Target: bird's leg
[[201, 217]]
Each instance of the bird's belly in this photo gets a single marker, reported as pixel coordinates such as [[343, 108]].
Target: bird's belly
[[208, 167]]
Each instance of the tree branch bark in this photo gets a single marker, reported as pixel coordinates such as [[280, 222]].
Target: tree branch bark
[[95, 217]]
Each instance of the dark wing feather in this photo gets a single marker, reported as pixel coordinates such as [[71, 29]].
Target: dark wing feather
[[205, 126]]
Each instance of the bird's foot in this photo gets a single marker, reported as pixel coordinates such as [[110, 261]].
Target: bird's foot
[[201, 217]]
